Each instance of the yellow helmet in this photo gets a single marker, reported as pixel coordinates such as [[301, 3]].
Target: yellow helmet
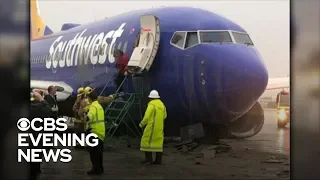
[[80, 91], [88, 90]]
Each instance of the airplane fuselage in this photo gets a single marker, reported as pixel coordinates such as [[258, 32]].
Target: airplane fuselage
[[213, 83]]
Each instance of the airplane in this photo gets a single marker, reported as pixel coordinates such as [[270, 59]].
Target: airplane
[[205, 67], [279, 83]]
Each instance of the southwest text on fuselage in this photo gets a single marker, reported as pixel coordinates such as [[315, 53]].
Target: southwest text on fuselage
[[83, 49]]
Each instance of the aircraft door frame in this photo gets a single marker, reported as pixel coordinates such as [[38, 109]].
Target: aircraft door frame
[[144, 54]]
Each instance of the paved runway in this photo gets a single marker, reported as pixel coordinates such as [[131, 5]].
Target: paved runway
[[270, 139]]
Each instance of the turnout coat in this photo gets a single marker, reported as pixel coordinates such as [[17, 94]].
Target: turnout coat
[[153, 121]]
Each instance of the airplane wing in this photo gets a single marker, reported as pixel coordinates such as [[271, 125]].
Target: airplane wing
[[278, 83], [63, 89]]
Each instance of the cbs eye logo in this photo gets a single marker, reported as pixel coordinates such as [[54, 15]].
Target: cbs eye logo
[[23, 124]]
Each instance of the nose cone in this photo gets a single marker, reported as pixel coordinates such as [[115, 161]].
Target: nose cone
[[236, 77]]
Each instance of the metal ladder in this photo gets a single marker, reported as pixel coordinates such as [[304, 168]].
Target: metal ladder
[[117, 111]]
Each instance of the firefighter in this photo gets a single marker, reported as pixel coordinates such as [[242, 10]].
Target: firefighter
[[84, 106], [96, 125], [79, 124], [153, 124], [76, 105]]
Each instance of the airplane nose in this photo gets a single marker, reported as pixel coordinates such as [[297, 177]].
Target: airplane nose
[[235, 77]]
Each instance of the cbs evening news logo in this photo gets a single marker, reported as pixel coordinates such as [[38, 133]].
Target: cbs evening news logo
[[39, 138]]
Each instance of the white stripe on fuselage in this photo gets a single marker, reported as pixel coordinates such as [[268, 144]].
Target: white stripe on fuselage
[[81, 49]]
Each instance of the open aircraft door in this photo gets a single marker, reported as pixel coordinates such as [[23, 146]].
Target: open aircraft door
[[145, 52]]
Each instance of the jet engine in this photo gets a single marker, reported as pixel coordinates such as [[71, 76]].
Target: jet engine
[[249, 124]]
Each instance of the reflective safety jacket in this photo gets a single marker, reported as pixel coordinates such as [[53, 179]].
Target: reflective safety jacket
[[153, 121], [96, 120]]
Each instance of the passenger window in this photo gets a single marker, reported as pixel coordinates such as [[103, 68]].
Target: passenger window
[[178, 39], [192, 39]]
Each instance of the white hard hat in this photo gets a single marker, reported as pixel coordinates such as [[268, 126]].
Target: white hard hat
[[154, 94]]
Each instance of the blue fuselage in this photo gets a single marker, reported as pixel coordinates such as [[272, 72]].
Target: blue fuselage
[[211, 83]]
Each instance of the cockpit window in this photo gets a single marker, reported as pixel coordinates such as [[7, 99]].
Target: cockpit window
[[187, 39], [215, 37], [192, 39], [178, 39], [242, 38]]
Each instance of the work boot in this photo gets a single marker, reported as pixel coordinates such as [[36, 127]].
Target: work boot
[[158, 159], [148, 158], [95, 172], [91, 172]]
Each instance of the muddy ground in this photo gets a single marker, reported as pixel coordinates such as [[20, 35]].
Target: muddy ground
[[203, 163], [265, 156]]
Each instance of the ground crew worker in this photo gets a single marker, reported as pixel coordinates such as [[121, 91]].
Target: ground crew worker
[[95, 118], [78, 122], [153, 136], [51, 99], [39, 108]]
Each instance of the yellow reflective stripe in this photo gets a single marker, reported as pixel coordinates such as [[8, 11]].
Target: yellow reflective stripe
[[151, 149], [78, 120], [160, 148]]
